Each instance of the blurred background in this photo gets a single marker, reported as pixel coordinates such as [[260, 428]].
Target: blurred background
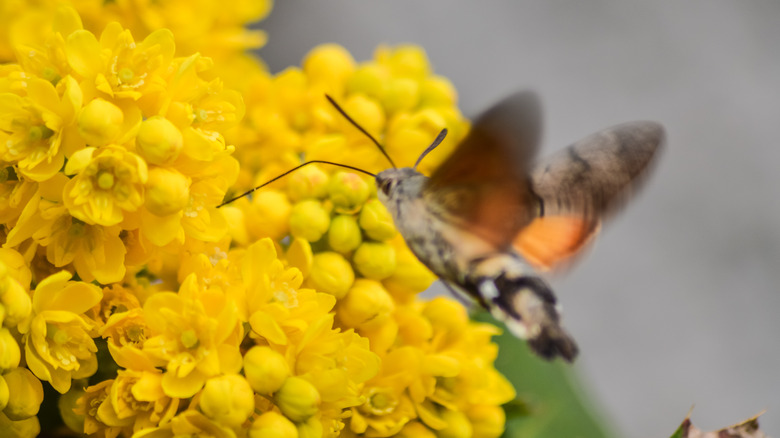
[[677, 305]]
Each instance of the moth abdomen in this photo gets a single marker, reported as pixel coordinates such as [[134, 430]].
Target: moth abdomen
[[528, 308]]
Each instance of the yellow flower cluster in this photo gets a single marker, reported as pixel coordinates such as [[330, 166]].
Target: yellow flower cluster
[[290, 313], [437, 376], [140, 131], [215, 29], [395, 97]]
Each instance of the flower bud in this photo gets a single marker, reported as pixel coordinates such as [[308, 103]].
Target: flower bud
[[487, 420], [159, 141], [4, 394], [272, 425], [309, 220], [348, 190], [329, 63], [406, 61], [265, 369], [270, 215], [100, 122], [10, 354], [27, 428], [437, 91], [167, 191], [297, 399], [15, 301], [331, 273], [65, 404], [376, 221], [458, 426], [415, 429], [410, 276], [375, 260], [227, 399], [366, 302], [26, 394], [446, 313], [312, 428], [307, 182], [366, 112], [370, 80], [344, 234], [403, 95]]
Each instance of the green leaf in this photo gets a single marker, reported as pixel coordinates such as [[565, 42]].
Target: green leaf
[[550, 401]]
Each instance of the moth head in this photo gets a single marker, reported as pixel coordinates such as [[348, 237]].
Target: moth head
[[393, 184]]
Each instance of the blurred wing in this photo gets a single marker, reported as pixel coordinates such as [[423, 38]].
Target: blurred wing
[[583, 184], [483, 185]]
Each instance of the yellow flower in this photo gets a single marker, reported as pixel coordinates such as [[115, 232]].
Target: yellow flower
[[38, 40], [33, 129], [108, 184], [191, 335], [121, 68], [387, 406], [188, 423], [137, 399], [126, 333], [26, 394], [57, 343], [91, 406]]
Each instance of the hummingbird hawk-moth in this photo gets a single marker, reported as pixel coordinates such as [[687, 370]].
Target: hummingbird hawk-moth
[[489, 219]]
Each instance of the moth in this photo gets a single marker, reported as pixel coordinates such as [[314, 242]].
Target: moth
[[491, 219]]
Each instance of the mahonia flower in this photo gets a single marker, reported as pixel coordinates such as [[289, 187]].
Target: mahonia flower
[[57, 340], [343, 240], [298, 305], [141, 132]]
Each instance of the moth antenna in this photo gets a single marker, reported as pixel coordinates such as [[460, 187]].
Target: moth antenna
[[436, 142], [291, 171], [360, 128]]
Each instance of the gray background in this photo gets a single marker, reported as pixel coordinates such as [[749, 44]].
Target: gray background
[[677, 303]]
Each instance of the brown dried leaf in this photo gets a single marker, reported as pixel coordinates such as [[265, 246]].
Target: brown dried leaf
[[746, 429]]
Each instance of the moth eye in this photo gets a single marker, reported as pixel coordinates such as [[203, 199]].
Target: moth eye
[[386, 186]]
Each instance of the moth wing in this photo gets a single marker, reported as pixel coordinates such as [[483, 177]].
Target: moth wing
[[483, 185], [582, 185]]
